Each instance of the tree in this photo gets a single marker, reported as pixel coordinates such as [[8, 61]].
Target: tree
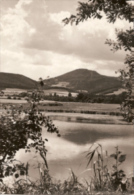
[[17, 126], [69, 94], [94, 8], [113, 10], [55, 94]]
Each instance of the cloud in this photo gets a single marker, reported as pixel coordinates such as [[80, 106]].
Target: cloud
[[34, 38], [13, 25], [14, 29], [86, 41]]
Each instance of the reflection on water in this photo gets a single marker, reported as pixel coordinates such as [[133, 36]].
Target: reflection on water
[[89, 118], [85, 134], [68, 151]]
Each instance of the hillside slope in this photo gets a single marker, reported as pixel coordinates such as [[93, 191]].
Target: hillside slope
[[9, 80], [83, 79]]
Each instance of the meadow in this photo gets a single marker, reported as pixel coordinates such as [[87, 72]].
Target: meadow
[[79, 107], [70, 107], [59, 92]]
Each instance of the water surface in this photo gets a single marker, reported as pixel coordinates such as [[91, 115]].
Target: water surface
[[68, 151]]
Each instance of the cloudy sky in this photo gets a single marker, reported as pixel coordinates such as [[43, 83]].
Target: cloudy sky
[[35, 42]]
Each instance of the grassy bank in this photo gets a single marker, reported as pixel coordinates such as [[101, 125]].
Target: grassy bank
[[103, 182], [72, 107]]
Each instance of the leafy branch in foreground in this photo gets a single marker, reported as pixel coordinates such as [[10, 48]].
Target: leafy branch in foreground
[[124, 40], [18, 127], [103, 179], [113, 10]]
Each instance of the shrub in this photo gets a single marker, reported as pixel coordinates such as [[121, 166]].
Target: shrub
[[18, 126], [105, 179], [9, 97]]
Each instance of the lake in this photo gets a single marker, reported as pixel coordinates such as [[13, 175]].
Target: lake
[[78, 133]]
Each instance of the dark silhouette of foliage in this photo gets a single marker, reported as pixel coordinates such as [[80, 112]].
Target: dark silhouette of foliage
[[69, 94], [113, 10], [95, 8], [17, 126], [104, 179]]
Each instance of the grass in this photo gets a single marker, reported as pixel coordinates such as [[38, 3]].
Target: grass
[[87, 108], [82, 107], [117, 92], [78, 106], [70, 107], [60, 92], [101, 183]]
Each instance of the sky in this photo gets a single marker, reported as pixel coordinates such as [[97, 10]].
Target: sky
[[35, 42]]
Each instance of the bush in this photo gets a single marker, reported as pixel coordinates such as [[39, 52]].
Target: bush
[[104, 181], [19, 98], [20, 125], [9, 97]]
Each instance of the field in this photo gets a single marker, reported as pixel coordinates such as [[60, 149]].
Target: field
[[60, 92], [87, 118], [57, 91], [46, 105], [117, 92], [82, 107], [11, 91]]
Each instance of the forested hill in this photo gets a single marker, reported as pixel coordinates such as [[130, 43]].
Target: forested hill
[[88, 80], [77, 80], [9, 80]]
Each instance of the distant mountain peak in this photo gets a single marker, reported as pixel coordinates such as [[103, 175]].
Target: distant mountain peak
[[84, 79], [76, 80], [84, 70]]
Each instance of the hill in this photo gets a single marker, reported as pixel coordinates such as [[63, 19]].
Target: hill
[[9, 80], [85, 80]]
